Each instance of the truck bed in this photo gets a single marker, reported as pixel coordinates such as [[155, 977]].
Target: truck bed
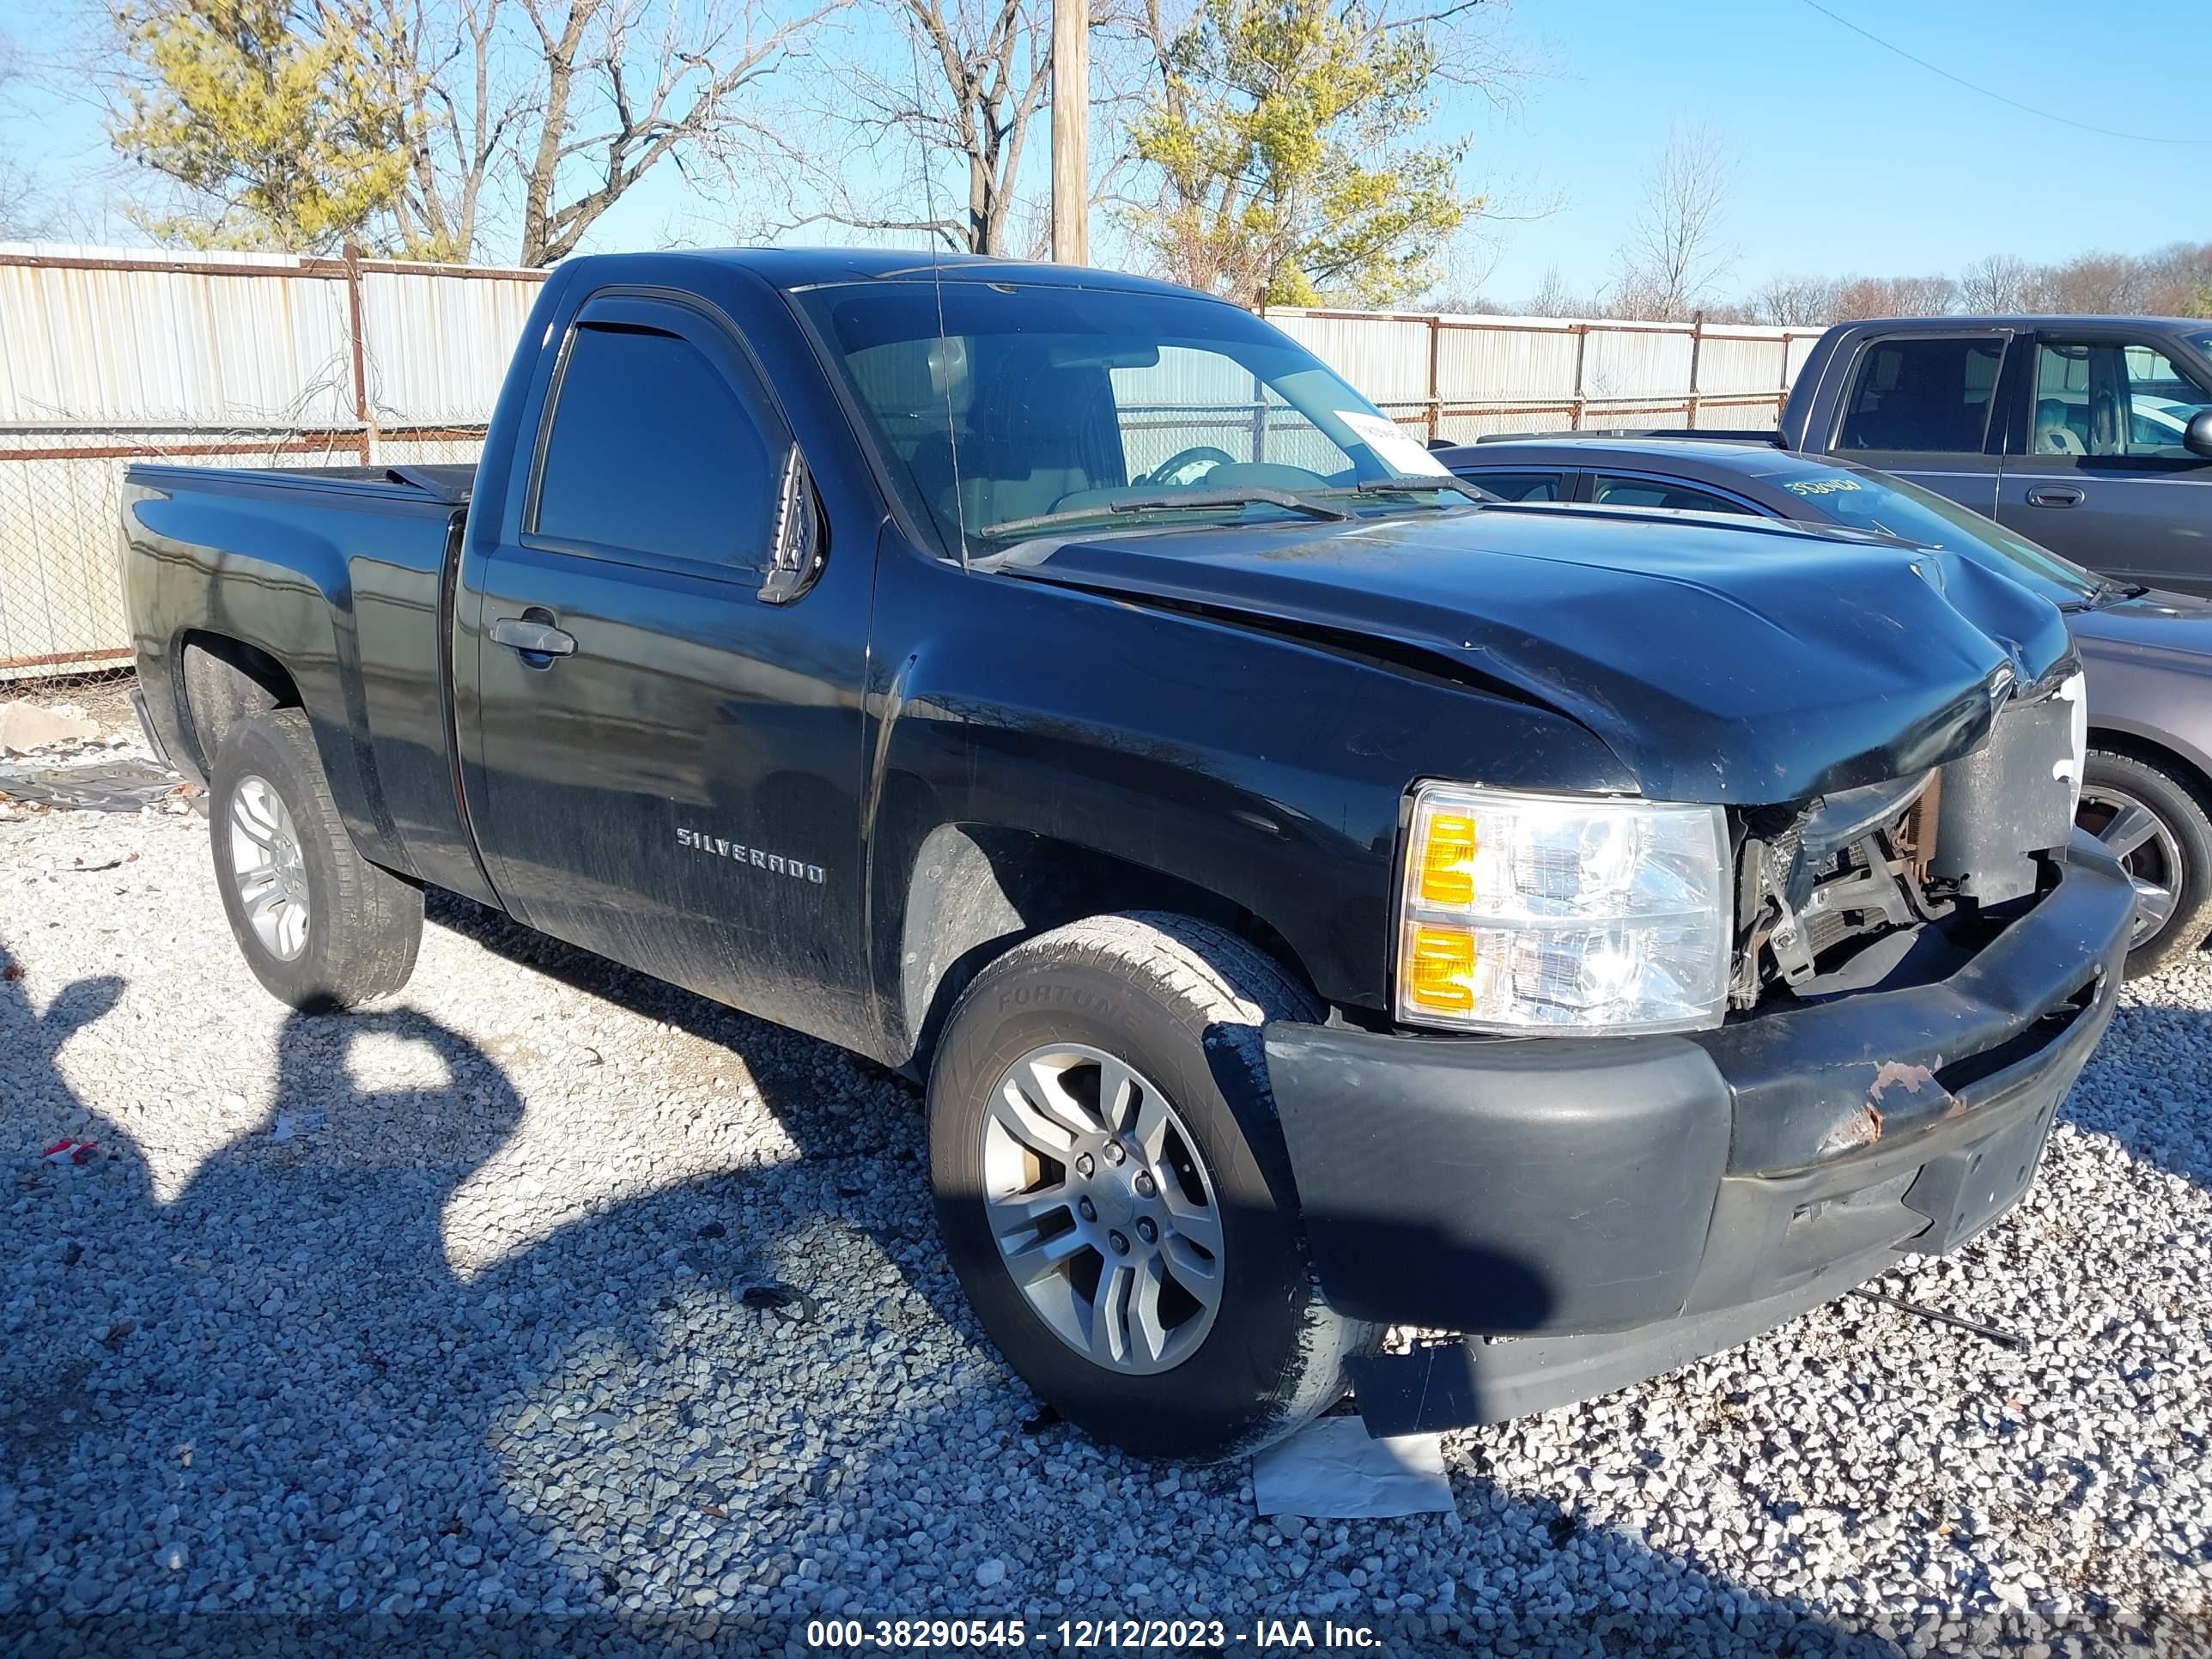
[[339, 572], [449, 482]]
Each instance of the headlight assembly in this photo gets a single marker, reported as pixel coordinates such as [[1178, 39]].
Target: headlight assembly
[[1567, 914]]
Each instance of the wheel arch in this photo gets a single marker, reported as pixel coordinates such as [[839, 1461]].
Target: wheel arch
[[2189, 767], [220, 681], [220, 678], [976, 890]]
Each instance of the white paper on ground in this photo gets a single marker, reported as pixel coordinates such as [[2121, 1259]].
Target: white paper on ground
[[1330, 1469]]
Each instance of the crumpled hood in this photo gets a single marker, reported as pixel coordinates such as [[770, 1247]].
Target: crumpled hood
[[1749, 663]]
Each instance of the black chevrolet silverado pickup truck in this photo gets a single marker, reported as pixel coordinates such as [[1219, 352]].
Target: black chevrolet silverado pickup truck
[[1316, 901]]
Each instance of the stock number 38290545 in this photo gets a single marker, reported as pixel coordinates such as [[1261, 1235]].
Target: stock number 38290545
[[986, 1634]]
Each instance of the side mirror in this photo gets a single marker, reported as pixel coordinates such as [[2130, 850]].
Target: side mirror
[[796, 545], [2197, 437]]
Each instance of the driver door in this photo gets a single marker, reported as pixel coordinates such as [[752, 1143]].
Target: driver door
[[670, 744]]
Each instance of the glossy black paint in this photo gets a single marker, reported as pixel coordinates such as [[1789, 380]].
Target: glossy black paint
[[1721, 662], [1224, 720], [2140, 519], [687, 705], [2147, 659], [337, 579]]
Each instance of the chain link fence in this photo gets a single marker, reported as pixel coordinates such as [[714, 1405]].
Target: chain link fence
[[237, 361], [61, 505]]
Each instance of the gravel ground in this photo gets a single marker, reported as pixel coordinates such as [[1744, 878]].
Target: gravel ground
[[545, 1289]]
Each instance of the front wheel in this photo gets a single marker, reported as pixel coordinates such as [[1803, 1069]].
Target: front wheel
[[2151, 820], [322, 928], [1114, 1193]]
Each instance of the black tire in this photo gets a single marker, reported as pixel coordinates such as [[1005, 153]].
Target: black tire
[[364, 924], [2183, 841], [1180, 1001]]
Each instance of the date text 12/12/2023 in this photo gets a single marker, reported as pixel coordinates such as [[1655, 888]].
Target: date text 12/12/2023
[[1260, 1636]]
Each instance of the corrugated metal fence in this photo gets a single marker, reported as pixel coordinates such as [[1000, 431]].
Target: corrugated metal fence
[[223, 359], [1459, 378], [246, 360]]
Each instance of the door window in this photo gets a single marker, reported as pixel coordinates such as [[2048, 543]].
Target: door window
[[651, 451], [1520, 486], [2112, 397], [1669, 493], [1923, 396]]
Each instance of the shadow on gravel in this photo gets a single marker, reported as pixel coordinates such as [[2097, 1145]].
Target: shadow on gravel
[[793, 1074], [223, 1377]]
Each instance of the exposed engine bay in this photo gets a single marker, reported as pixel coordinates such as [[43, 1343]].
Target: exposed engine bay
[[1819, 882]]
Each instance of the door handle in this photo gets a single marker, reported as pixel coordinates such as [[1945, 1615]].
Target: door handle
[[2055, 495], [533, 638]]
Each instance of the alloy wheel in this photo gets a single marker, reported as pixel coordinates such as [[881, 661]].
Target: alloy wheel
[[1102, 1208], [266, 870], [2147, 849]]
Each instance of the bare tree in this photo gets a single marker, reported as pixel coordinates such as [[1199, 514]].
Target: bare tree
[[978, 73], [2178, 280], [1554, 298], [26, 212], [538, 114], [22, 216], [1894, 296], [628, 84], [450, 65], [1998, 282], [2100, 284], [1677, 250], [1797, 301]]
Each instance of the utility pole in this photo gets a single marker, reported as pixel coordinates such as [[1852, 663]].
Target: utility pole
[[1071, 132]]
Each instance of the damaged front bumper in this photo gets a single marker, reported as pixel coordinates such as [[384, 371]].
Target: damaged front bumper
[[1620, 1206]]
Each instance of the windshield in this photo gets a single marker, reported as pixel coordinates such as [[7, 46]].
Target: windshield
[[1890, 507], [1046, 400]]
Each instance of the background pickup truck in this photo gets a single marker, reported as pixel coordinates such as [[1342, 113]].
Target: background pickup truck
[[1316, 901], [2090, 435]]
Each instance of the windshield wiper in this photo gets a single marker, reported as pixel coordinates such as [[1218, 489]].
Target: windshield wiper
[[1406, 483], [1173, 501], [2105, 593]]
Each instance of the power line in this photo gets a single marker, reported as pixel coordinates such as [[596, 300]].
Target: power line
[[2029, 109]]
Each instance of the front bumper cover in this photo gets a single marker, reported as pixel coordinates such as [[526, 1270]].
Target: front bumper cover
[[1621, 1205]]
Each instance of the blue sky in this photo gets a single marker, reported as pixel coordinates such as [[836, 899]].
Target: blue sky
[[1848, 159]]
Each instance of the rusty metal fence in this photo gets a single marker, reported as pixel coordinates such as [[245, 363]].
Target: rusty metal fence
[[230, 360], [253, 360], [1460, 378]]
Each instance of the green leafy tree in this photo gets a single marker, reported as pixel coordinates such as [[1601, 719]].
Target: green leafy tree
[[1284, 137], [278, 120]]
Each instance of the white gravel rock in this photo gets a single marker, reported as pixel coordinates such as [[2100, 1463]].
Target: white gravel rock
[[476, 1339]]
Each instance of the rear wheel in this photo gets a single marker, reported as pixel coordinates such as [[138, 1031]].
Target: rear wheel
[[322, 928], [2151, 820], [1113, 1189]]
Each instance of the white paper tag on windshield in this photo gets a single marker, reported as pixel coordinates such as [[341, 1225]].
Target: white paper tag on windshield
[[1398, 451]]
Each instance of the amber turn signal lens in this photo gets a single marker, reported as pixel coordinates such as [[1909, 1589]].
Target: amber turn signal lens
[[1441, 973], [1448, 859]]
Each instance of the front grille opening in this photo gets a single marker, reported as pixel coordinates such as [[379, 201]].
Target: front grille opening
[[2026, 1044]]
